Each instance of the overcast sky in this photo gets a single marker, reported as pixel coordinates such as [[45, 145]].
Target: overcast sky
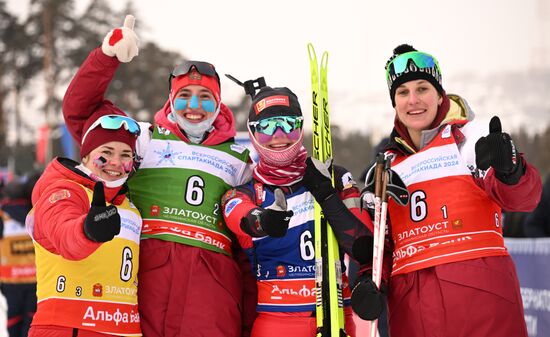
[[250, 38]]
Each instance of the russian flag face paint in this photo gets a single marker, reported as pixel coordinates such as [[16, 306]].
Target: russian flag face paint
[[127, 166], [99, 161]]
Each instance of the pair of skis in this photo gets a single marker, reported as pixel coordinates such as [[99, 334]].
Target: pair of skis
[[328, 268]]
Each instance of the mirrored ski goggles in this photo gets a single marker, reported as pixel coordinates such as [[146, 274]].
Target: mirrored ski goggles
[[114, 122], [203, 68], [420, 59], [207, 105], [269, 125]]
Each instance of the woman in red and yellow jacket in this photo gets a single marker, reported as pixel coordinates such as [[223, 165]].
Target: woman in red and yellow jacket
[[86, 236]]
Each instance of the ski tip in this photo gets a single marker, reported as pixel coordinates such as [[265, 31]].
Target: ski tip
[[311, 52], [324, 60]]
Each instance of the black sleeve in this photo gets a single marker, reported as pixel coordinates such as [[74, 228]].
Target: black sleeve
[[346, 226]]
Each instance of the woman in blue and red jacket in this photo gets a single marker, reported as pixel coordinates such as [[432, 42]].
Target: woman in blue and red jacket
[[273, 217]]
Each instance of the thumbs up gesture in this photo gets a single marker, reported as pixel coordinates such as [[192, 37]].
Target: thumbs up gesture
[[272, 220], [497, 150], [102, 223], [122, 42]]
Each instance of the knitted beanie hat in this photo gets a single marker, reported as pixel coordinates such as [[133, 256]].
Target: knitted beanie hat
[[407, 64]]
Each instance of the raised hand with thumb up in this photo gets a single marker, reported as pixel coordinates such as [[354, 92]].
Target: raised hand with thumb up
[[497, 150], [272, 220], [102, 223], [122, 42]]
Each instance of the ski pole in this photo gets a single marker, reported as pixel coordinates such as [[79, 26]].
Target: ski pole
[[380, 211]]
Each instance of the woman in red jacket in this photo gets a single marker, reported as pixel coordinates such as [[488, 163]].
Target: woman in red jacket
[[451, 274], [86, 235]]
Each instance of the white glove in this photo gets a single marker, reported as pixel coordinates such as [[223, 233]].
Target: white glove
[[122, 42]]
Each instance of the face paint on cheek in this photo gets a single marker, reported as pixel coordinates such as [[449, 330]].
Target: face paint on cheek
[[128, 166], [208, 105], [180, 104], [99, 161]]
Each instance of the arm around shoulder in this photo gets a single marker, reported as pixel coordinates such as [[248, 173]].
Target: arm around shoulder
[[236, 203]]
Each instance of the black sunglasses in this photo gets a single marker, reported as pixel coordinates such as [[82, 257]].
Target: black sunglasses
[[203, 68]]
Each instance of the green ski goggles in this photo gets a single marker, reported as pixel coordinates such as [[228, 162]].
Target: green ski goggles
[[268, 126], [422, 60]]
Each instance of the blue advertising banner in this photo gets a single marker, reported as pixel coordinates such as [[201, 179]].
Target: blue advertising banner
[[532, 259]]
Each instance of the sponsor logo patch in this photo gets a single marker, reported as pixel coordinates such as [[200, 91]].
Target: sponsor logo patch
[[195, 75], [155, 210], [457, 224], [97, 290], [231, 205], [281, 271], [166, 155], [271, 101], [228, 196], [59, 195]]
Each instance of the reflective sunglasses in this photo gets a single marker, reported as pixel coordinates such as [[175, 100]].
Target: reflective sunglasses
[[268, 126], [115, 122], [203, 68], [420, 59]]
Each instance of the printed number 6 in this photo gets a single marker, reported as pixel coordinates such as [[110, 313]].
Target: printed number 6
[[307, 251], [194, 193], [61, 284], [419, 208], [126, 266]]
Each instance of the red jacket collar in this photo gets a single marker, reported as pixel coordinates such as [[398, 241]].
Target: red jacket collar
[[64, 169], [224, 125]]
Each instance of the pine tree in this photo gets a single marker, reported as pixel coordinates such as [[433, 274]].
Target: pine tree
[[18, 64]]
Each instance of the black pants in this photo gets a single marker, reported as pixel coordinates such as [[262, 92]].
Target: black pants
[[21, 300]]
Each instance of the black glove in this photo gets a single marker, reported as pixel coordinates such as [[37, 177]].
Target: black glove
[[102, 222], [272, 221], [498, 151], [318, 179], [366, 299], [395, 188]]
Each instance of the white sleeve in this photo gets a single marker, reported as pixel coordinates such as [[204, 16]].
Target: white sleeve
[[472, 131], [143, 140], [246, 175]]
